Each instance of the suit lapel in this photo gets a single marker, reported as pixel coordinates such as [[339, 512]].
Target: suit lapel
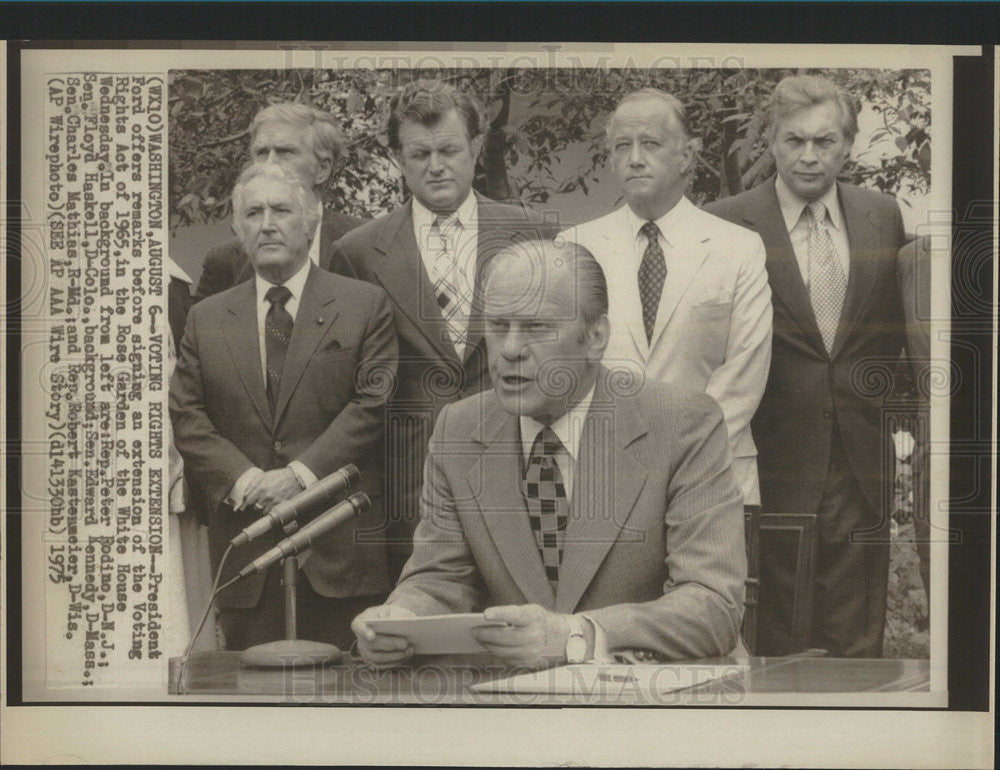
[[611, 470], [862, 238], [498, 481], [313, 319], [691, 249], [401, 273], [241, 334], [763, 214]]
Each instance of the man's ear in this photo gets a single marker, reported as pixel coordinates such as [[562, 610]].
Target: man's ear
[[477, 146], [599, 334], [323, 171]]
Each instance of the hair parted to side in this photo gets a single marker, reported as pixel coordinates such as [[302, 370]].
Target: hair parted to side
[[552, 256], [798, 91], [677, 109], [303, 196], [321, 129], [426, 101]]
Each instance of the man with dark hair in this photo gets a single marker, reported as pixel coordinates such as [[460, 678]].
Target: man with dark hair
[[306, 141], [281, 380], [588, 518], [690, 303], [831, 263], [427, 255]]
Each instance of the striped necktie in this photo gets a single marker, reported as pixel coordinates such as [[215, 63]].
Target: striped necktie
[[445, 276]]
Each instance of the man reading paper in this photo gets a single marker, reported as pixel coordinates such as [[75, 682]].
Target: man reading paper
[[586, 513]]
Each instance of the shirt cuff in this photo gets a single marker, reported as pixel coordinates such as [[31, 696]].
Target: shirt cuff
[[600, 653], [305, 476], [234, 498]]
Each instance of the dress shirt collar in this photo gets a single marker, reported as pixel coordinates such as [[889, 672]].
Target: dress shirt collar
[[668, 223], [792, 205], [466, 213], [296, 285], [314, 246], [568, 428]]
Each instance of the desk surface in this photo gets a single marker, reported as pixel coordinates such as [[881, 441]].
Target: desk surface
[[447, 680]]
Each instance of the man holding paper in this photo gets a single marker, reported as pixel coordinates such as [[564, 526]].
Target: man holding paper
[[586, 513]]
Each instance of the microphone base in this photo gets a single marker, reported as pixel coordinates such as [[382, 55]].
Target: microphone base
[[290, 653]]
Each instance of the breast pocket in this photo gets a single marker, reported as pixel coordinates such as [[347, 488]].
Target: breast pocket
[[709, 330], [331, 377]]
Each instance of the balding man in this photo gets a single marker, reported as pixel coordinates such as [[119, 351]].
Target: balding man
[[306, 141], [589, 518], [688, 293]]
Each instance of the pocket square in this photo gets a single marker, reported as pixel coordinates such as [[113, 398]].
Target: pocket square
[[332, 345]]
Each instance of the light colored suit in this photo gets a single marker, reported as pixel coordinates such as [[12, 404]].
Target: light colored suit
[[713, 325], [654, 548]]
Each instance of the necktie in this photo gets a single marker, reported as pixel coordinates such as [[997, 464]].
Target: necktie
[[277, 333], [827, 282], [652, 274], [545, 494], [446, 276]]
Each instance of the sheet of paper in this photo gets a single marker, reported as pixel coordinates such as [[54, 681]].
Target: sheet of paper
[[437, 634], [611, 680]]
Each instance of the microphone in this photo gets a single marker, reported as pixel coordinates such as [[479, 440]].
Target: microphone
[[309, 499], [352, 507]]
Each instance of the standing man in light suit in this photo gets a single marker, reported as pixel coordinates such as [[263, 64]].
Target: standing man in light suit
[[282, 380], [427, 256], [306, 141], [831, 263], [590, 518], [689, 300]]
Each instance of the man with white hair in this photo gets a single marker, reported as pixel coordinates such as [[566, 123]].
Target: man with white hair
[[282, 380], [306, 141]]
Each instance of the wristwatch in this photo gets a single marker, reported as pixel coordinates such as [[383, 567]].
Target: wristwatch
[[576, 644]]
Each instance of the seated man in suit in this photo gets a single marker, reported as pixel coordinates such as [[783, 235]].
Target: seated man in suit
[[306, 141], [590, 518], [282, 380], [688, 293], [831, 263], [428, 255]]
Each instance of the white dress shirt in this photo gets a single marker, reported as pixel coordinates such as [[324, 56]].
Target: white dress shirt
[[797, 222], [464, 248], [666, 223], [569, 429]]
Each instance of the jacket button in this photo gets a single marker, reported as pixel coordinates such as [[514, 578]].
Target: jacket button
[[277, 446], [827, 414]]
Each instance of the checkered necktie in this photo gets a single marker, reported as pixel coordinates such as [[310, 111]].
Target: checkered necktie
[[827, 282], [652, 274], [545, 494], [277, 333], [445, 275]]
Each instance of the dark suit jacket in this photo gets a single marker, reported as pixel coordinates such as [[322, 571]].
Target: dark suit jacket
[[807, 389], [384, 252], [226, 265], [654, 548], [329, 412]]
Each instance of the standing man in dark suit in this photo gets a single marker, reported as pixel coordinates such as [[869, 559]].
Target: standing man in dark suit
[[282, 380], [304, 140], [427, 255], [831, 262]]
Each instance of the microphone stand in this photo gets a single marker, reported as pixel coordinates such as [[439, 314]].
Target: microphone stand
[[290, 652]]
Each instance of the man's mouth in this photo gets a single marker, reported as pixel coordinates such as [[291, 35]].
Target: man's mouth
[[514, 380]]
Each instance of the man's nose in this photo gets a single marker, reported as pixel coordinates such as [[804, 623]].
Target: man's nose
[[809, 154], [635, 157], [272, 156], [435, 166], [267, 222], [513, 346]]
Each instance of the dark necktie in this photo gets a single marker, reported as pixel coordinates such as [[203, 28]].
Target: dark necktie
[[277, 333], [545, 494], [652, 274]]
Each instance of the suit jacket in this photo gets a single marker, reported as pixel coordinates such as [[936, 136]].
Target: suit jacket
[[385, 252], [913, 271], [227, 265], [809, 390], [329, 412], [713, 325], [654, 547]]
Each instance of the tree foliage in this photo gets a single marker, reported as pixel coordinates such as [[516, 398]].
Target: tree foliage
[[535, 116]]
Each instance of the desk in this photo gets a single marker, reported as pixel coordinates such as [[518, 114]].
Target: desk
[[446, 680]]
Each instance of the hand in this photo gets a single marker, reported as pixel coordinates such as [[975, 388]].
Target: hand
[[271, 488], [534, 637], [382, 650]]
